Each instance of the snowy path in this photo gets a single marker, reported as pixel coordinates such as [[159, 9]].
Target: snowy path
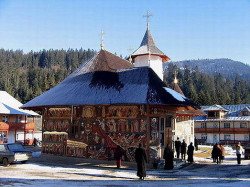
[[67, 171]]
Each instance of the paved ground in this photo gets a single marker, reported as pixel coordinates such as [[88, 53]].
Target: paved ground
[[50, 170]]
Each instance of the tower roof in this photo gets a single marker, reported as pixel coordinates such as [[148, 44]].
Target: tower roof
[[148, 47], [175, 85], [176, 88]]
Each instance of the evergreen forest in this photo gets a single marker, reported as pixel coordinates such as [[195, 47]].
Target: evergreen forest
[[27, 75]]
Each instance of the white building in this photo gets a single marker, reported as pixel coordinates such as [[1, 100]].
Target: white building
[[228, 124], [14, 123]]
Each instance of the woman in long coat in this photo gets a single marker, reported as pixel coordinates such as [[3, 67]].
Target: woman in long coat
[[169, 158], [190, 153], [141, 160]]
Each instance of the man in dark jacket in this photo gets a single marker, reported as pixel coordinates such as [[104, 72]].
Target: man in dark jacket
[[141, 160], [183, 150], [169, 158], [177, 145]]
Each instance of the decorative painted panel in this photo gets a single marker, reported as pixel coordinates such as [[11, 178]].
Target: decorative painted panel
[[55, 113], [56, 125], [154, 131], [101, 128], [157, 110]]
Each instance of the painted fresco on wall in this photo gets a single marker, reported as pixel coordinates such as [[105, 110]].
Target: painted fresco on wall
[[101, 128], [53, 142], [154, 131], [160, 110], [57, 113], [56, 125], [77, 151]]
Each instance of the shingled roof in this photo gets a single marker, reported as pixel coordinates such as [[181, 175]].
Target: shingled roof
[[103, 61], [176, 88], [101, 81], [148, 47]]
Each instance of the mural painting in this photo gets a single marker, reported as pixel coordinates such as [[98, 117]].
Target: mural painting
[[54, 142], [95, 131]]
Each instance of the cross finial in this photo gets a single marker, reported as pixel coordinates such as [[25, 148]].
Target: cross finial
[[130, 51], [147, 16], [102, 38], [175, 77]]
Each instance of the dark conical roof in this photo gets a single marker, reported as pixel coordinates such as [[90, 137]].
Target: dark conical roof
[[103, 61], [148, 47], [176, 88]]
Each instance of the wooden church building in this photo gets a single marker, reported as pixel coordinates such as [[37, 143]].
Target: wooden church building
[[109, 101]]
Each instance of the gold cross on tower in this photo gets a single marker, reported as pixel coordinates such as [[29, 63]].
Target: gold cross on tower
[[175, 77], [102, 38], [130, 50], [147, 16]]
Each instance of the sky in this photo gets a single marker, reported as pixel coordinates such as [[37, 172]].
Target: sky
[[182, 29]]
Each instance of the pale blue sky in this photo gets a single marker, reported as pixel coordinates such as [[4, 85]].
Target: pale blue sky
[[182, 29]]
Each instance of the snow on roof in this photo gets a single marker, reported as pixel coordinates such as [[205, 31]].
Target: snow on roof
[[231, 115], [240, 118], [215, 108], [9, 105], [246, 109], [175, 94]]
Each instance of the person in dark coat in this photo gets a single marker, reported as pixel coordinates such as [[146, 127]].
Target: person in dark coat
[[177, 145], [35, 142], [183, 150], [118, 156], [216, 152], [196, 144], [190, 153], [169, 158], [141, 160]]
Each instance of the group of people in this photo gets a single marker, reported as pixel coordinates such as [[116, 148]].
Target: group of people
[[181, 147], [218, 153]]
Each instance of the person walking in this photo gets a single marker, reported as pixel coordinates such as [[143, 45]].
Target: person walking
[[190, 153], [239, 151], [141, 160], [177, 145], [118, 156], [183, 150], [169, 158]]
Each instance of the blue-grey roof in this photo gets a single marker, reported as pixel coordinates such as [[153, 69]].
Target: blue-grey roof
[[133, 85], [232, 113], [93, 84]]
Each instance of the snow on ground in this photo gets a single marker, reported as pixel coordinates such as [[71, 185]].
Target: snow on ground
[[40, 172]]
